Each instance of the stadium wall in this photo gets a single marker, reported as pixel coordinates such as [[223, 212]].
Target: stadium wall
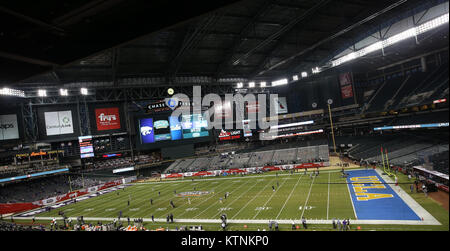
[[21, 207]]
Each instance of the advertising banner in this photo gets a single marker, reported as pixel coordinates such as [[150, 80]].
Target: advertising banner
[[77, 193], [107, 118], [57, 123], [411, 126], [9, 128], [33, 175], [121, 170], [246, 170], [280, 105], [246, 128], [229, 135], [345, 80]]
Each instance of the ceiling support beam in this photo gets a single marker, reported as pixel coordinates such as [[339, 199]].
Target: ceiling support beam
[[291, 24], [189, 42], [237, 41], [24, 59], [283, 30], [327, 39], [30, 19]]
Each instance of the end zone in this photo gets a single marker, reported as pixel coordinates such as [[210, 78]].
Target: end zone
[[373, 199]]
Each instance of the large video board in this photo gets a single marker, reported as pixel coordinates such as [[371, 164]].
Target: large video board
[[163, 128], [86, 147]]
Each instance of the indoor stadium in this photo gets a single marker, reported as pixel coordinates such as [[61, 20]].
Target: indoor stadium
[[244, 116]]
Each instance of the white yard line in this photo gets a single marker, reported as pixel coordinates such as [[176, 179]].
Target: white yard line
[[307, 198], [178, 207], [351, 199], [293, 189], [273, 193], [217, 201], [254, 197], [237, 198], [208, 198]]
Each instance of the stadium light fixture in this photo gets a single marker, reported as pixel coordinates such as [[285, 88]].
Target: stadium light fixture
[[443, 100], [263, 84], [295, 77], [12, 92], [309, 122], [409, 33], [84, 91], [283, 81], [251, 84], [42, 93], [315, 70], [239, 85], [63, 92], [304, 74]]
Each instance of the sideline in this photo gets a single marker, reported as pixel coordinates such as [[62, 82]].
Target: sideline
[[283, 221]]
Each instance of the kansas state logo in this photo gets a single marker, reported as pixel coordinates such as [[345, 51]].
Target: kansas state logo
[[146, 130]]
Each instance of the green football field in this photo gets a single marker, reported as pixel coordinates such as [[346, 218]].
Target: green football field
[[250, 198]]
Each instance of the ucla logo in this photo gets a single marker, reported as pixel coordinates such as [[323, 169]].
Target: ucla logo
[[362, 184]]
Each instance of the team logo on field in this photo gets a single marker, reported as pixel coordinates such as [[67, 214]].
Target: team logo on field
[[361, 184], [193, 193], [225, 209], [262, 208], [306, 208]]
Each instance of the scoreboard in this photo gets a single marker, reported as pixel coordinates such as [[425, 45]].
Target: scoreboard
[[86, 147]]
